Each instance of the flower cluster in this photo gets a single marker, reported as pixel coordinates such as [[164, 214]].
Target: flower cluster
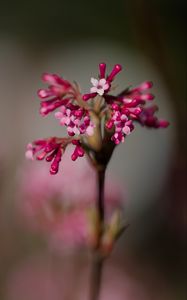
[[59, 93], [76, 119], [52, 149], [119, 119], [84, 114], [128, 107]]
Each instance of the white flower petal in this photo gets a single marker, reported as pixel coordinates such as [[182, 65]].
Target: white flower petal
[[94, 81], [100, 92], [76, 130]]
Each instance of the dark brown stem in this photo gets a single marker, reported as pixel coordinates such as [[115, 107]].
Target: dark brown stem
[[97, 258]]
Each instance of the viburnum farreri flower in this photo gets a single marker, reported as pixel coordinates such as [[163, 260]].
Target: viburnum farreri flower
[[95, 121]]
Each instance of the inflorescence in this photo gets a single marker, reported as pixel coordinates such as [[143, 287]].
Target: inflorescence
[[120, 114]]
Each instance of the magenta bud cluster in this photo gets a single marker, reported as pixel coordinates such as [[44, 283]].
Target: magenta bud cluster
[[51, 150]]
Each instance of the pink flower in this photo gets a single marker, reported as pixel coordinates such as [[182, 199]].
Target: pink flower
[[123, 125], [70, 231], [102, 86], [76, 119], [99, 86]]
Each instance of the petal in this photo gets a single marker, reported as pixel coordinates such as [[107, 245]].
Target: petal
[[90, 130], [76, 130], [123, 117], [70, 129], [67, 120], [94, 81], [93, 90], [100, 91], [68, 112], [102, 81], [58, 115], [106, 86], [126, 130]]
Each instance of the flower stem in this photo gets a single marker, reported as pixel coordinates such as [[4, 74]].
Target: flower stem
[[100, 202], [97, 258]]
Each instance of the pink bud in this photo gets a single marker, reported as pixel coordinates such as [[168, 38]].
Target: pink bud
[[49, 78], [109, 124], [44, 93], [147, 96], [102, 69], [74, 156], [163, 123], [80, 151], [41, 156], [86, 97], [50, 156], [117, 68], [143, 86], [115, 106]]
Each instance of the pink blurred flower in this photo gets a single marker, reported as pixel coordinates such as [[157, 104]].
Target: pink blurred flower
[[60, 207]]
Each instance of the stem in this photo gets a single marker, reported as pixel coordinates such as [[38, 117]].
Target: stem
[[96, 277], [100, 202], [97, 258]]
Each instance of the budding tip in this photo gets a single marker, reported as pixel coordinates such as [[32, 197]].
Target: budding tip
[[85, 97], [102, 65], [118, 67], [73, 157], [53, 171]]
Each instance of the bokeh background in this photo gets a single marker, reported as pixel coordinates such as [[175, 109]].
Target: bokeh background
[[71, 38]]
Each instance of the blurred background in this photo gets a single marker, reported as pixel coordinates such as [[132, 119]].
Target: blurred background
[[71, 38]]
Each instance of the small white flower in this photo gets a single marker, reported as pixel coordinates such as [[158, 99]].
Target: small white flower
[[99, 86]]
